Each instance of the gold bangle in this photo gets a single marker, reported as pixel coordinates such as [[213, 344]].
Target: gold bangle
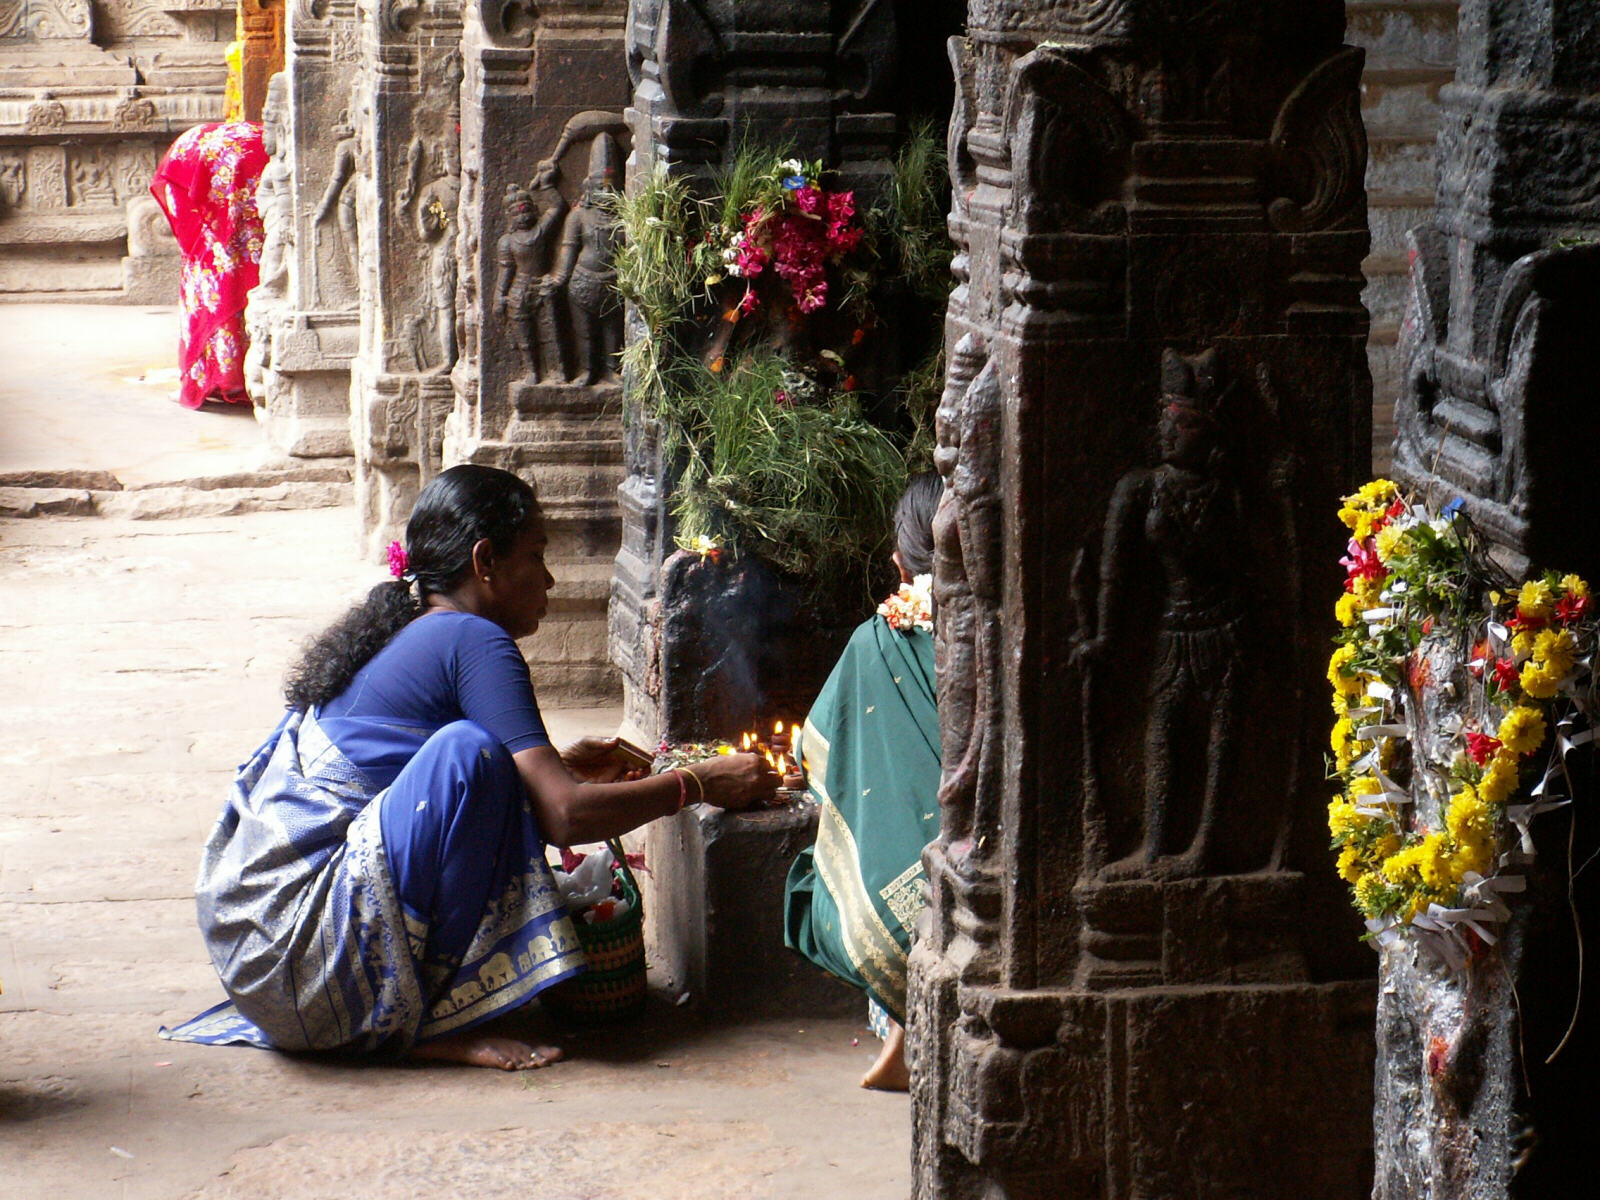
[[698, 786]]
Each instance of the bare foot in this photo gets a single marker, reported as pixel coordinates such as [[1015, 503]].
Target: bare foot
[[889, 1073], [481, 1050]]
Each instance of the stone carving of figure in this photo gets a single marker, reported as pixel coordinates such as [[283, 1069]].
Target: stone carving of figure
[[13, 182], [524, 293], [274, 194], [436, 223], [584, 271], [966, 584], [341, 190], [1176, 521]]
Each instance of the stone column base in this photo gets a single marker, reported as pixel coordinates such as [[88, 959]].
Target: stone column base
[[1162, 1093]]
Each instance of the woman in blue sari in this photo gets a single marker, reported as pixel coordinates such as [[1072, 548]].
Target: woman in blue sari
[[377, 880], [870, 753]]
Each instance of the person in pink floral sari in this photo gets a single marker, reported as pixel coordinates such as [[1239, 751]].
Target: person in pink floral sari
[[206, 184]]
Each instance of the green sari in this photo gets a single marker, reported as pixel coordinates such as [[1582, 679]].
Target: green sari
[[870, 752]]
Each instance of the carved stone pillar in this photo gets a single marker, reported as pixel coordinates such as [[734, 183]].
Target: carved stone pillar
[[303, 318], [261, 29], [543, 96], [405, 111], [813, 77], [1138, 976], [1495, 409]]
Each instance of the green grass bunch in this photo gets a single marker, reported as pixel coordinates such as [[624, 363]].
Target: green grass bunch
[[811, 487]]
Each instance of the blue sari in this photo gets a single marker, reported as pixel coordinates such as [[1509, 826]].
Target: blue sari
[[341, 916]]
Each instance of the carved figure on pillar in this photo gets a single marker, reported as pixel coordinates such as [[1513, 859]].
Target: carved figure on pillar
[[275, 194], [524, 293], [1178, 517], [436, 224], [584, 271], [341, 191], [968, 569]]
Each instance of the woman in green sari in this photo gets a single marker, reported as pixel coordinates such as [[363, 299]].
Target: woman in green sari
[[870, 753]]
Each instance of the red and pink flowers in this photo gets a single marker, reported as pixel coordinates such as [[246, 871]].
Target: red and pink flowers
[[800, 232]]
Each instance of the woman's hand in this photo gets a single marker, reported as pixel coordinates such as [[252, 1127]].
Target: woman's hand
[[598, 760], [735, 781]]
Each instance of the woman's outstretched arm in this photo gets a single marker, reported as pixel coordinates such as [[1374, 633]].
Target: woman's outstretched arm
[[570, 812]]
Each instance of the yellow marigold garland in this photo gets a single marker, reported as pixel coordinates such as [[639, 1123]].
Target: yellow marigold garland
[[1408, 574]]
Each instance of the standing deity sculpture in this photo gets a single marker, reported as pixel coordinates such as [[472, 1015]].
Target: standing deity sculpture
[[341, 190], [436, 224], [1174, 523], [274, 193], [961, 553], [524, 292], [584, 271]]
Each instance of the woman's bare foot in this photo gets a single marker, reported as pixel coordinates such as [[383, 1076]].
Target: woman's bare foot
[[889, 1073], [482, 1050]]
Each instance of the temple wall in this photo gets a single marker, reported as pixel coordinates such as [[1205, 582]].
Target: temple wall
[[91, 93]]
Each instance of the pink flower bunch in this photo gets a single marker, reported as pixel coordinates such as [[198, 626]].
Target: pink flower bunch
[[799, 240], [399, 561]]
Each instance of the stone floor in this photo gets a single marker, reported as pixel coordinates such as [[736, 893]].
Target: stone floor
[[139, 662]]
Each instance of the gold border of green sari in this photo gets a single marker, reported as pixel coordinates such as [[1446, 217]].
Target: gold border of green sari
[[867, 940]]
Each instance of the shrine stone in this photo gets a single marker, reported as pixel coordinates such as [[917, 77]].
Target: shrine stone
[[708, 79], [91, 93], [1486, 1074], [542, 138], [707, 649], [1138, 976], [303, 319], [401, 159]]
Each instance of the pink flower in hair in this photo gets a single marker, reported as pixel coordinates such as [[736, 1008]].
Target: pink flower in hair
[[399, 563]]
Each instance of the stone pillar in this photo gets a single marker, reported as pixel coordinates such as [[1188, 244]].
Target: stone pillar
[[1138, 976], [708, 76], [540, 94], [1411, 54], [1495, 409], [405, 110], [303, 317], [260, 29], [90, 95]]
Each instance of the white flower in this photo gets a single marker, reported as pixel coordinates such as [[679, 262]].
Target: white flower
[[792, 166]]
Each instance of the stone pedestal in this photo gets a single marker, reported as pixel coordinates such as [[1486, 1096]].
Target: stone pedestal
[[714, 914], [1496, 345], [303, 320], [405, 114], [540, 89], [90, 95], [1137, 976]]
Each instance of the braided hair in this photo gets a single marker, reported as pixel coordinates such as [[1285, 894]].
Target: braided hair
[[458, 509]]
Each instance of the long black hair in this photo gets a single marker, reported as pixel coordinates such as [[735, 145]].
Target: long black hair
[[458, 509], [913, 523]]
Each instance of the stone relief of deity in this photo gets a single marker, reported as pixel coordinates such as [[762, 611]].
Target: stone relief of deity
[[584, 272], [966, 532], [339, 198], [13, 182], [556, 287], [524, 292], [1169, 530], [274, 193], [436, 206], [91, 182]]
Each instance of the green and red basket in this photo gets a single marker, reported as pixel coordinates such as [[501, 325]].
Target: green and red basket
[[613, 988]]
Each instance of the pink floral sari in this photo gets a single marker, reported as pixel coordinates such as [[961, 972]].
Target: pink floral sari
[[206, 184]]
